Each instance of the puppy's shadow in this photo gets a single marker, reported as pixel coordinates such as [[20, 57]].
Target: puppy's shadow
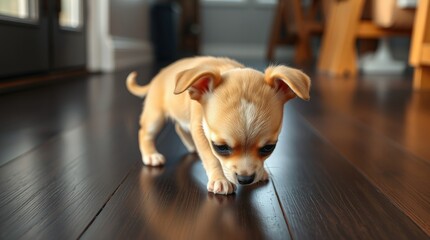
[[177, 195]]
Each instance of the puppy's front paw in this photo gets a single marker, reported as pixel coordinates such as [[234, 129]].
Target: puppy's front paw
[[221, 186], [154, 159]]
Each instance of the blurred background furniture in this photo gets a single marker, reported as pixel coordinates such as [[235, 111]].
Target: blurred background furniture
[[295, 24], [175, 29], [420, 46], [190, 29], [347, 23]]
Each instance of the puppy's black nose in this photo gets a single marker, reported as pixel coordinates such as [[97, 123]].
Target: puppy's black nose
[[245, 179]]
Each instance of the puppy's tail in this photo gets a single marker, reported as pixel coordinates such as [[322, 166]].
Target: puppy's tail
[[134, 88]]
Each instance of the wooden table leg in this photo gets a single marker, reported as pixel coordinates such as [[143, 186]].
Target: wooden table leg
[[419, 55], [338, 54]]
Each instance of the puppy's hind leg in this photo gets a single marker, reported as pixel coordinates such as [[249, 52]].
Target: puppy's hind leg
[[151, 122], [186, 138]]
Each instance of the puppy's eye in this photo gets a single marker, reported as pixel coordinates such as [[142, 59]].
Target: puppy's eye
[[266, 150], [223, 150]]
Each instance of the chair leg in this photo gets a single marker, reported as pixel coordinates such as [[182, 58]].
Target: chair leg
[[303, 52], [276, 28]]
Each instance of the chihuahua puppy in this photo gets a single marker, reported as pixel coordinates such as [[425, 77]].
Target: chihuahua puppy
[[231, 115]]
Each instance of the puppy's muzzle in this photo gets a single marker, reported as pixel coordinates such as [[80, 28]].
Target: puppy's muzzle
[[245, 179]]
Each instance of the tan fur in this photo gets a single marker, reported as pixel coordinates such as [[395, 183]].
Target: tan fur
[[226, 104], [134, 88]]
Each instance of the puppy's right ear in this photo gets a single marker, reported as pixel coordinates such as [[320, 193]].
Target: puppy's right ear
[[289, 82], [198, 81]]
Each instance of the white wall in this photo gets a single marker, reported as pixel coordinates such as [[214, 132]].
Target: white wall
[[129, 19], [118, 34], [129, 28], [238, 30]]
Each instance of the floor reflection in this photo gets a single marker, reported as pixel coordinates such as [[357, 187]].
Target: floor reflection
[[176, 205], [417, 118]]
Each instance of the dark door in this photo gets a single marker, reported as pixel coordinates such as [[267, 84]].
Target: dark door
[[68, 34], [41, 35]]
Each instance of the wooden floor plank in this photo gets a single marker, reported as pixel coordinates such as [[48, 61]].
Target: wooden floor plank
[[58, 188], [32, 116], [70, 168], [386, 104], [324, 197], [27, 124], [172, 203], [401, 176], [54, 186]]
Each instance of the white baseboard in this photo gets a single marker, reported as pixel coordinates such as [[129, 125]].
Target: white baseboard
[[245, 51]]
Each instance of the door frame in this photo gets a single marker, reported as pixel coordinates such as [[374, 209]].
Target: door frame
[[99, 42]]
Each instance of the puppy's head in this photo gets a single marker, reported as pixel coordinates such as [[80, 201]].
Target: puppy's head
[[242, 113]]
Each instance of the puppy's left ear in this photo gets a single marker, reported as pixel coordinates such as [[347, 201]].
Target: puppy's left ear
[[289, 82], [198, 81]]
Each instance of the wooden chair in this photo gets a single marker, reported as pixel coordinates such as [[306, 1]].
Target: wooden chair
[[344, 26], [298, 25], [419, 56]]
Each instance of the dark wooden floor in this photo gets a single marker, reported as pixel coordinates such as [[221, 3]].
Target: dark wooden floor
[[353, 163]]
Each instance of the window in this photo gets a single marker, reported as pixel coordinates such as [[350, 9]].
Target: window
[[21, 10], [71, 14]]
